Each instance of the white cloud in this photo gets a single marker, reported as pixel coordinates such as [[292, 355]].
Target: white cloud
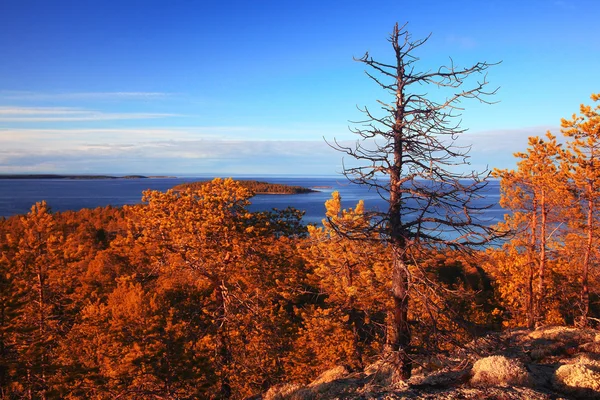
[[40, 111], [209, 155], [67, 114], [495, 148], [231, 150], [504, 140], [39, 96], [210, 139]]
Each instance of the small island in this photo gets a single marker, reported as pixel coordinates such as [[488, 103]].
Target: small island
[[256, 187]]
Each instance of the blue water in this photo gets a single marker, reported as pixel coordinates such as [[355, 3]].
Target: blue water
[[18, 195]]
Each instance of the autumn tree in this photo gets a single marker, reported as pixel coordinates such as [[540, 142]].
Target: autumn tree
[[13, 297], [350, 269], [584, 132], [243, 262], [536, 193], [37, 260], [407, 153], [200, 231], [141, 343], [189, 295]]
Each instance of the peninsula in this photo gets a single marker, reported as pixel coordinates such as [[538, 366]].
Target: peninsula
[[256, 187]]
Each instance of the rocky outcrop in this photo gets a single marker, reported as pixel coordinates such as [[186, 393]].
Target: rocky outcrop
[[547, 363], [580, 377]]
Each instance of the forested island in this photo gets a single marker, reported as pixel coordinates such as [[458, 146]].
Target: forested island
[[255, 187]]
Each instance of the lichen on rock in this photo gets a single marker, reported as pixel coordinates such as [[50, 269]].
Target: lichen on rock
[[581, 378], [500, 371]]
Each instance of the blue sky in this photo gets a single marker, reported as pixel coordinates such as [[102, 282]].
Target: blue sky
[[253, 87]]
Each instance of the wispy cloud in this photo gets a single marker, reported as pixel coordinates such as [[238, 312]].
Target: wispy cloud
[[183, 152], [220, 149], [192, 140], [65, 137], [495, 148], [66, 114], [40, 111], [46, 96], [504, 141]]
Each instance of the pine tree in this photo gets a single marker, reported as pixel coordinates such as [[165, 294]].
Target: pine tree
[[407, 153], [584, 130], [537, 193], [350, 269], [243, 263], [37, 260]]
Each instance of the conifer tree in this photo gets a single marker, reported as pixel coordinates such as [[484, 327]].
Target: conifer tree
[[38, 258], [350, 268], [584, 132], [407, 153], [537, 194], [243, 263], [12, 300]]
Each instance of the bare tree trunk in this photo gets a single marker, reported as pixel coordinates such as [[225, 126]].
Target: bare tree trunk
[[531, 312], [355, 321], [42, 331], [222, 346], [530, 296], [400, 335], [29, 385], [585, 290], [542, 269]]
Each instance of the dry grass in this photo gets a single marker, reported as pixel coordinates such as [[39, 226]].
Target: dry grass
[[499, 371]]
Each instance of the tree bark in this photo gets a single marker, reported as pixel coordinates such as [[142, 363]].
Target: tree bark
[[222, 346], [400, 335], [355, 320], [42, 331], [531, 312], [542, 268], [585, 290]]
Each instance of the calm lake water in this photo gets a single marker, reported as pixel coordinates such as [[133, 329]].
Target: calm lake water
[[18, 195]]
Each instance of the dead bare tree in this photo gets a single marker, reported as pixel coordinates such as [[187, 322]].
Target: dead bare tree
[[409, 155]]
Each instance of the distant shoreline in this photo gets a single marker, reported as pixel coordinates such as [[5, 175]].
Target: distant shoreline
[[56, 176]]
